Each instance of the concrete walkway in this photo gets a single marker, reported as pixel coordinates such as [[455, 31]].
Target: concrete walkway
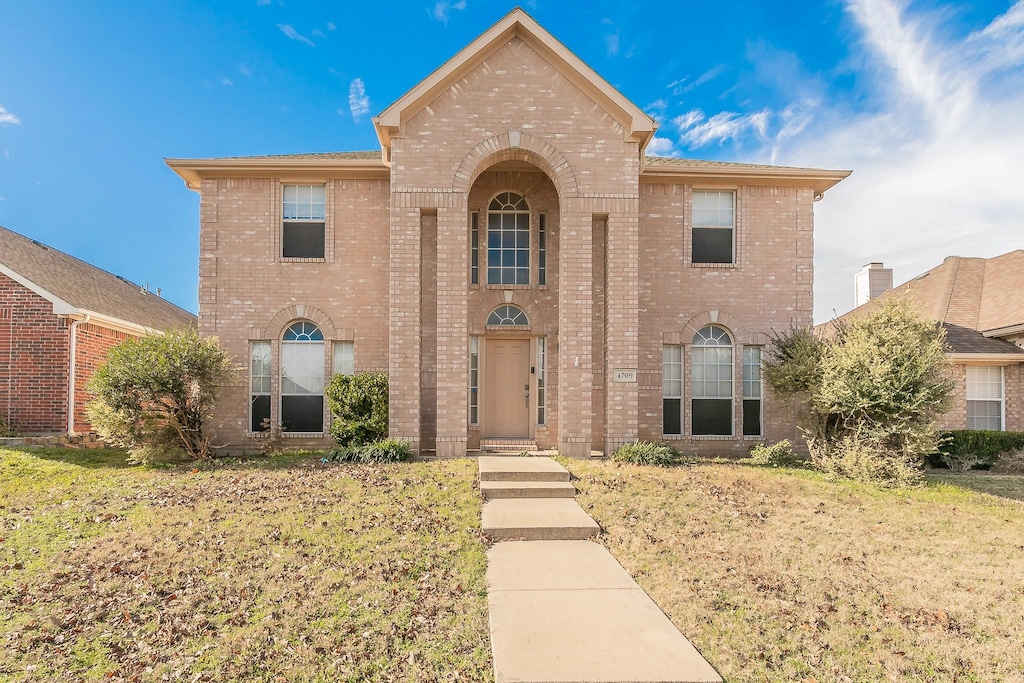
[[563, 610]]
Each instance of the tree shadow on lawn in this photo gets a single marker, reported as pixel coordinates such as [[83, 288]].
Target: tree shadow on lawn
[[1003, 485]]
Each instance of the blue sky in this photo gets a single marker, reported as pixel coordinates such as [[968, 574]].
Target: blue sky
[[923, 100]]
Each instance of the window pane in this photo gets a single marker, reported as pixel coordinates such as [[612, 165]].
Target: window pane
[[344, 358], [302, 413], [711, 416], [712, 245], [985, 415], [260, 414], [672, 421], [302, 368], [751, 417], [303, 240]]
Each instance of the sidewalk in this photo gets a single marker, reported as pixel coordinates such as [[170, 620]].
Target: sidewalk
[[565, 610]]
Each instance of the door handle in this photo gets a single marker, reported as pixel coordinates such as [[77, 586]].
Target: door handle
[[527, 395]]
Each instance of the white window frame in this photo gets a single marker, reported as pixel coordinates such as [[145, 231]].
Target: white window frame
[[542, 389], [287, 345], [973, 385], [264, 381], [343, 358], [672, 381], [753, 389], [295, 211], [699, 220], [474, 381], [507, 205], [698, 350]]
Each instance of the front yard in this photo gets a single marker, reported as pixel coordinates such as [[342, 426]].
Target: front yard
[[286, 569], [289, 569], [779, 575]]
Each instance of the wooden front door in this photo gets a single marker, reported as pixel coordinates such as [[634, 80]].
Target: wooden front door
[[507, 388]]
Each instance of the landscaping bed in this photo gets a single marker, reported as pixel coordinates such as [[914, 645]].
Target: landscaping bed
[[277, 569], [779, 575]]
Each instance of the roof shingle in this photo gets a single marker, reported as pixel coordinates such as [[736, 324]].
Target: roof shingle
[[87, 287]]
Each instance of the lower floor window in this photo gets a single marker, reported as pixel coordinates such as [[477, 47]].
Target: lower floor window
[[672, 389], [752, 391], [302, 413], [985, 398], [259, 386]]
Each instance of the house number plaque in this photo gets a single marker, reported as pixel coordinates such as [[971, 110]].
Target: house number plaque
[[624, 376]]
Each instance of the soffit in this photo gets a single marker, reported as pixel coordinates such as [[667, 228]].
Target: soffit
[[675, 170], [637, 124], [324, 165]]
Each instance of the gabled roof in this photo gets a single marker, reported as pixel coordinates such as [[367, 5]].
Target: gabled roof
[[977, 300], [637, 124], [77, 288]]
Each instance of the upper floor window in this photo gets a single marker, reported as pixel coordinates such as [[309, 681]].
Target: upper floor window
[[984, 397], [303, 218], [714, 226], [508, 240], [711, 375], [302, 378]]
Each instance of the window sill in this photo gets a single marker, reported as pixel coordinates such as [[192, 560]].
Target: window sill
[[303, 435], [507, 328], [508, 286], [714, 265], [300, 259]]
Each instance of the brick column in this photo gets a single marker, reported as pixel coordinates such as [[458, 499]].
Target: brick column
[[575, 329], [452, 326], [622, 324], [404, 320]]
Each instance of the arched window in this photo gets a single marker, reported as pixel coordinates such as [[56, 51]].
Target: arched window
[[507, 314], [302, 378], [508, 240], [711, 386]]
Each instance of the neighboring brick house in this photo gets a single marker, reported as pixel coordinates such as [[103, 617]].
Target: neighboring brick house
[[525, 274], [980, 303], [58, 318]]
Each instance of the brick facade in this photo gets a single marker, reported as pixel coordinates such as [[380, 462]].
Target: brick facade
[[92, 342], [514, 115]]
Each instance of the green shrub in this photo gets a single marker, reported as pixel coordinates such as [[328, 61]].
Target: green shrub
[[647, 453], [157, 392], [359, 405], [383, 451], [869, 461], [776, 455], [962, 449]]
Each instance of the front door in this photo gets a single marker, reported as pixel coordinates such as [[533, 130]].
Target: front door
[[507, 388]]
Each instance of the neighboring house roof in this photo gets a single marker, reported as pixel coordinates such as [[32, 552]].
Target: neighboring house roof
[[977, 300], [75, 287]]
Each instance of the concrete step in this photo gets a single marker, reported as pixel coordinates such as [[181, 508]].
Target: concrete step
[[537, 519], [499, 468], [527, 489], [508, 446]]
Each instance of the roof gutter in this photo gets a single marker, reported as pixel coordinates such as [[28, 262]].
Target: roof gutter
[[986, 358], [819, 180], [192, 171], [1007, 331]]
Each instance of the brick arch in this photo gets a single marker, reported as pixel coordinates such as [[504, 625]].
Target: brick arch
[[495, 298], [286, 316], [530, 149], [723, 319]]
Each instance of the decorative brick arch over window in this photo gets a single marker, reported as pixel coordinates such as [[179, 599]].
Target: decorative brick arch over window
[[286, 316], [518, 146], [508, 314]]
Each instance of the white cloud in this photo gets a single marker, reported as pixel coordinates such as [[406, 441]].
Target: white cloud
[[443, 8], [611, 40], [8, 119], [661, 147], [262, 3], [244, 70], [318, 33], [331, 26], [698, 131], [656, 109], [224, 80], [937, 158], [290, 31], [358, 102]]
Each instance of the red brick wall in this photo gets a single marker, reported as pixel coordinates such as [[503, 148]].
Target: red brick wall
[[33, 361], [91, 345]]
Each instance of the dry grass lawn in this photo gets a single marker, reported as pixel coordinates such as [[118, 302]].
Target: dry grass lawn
[[784, 575], [279, 570]]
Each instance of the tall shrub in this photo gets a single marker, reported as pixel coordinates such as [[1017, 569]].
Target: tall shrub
[[874, 390], [359, 406], [157, 392]]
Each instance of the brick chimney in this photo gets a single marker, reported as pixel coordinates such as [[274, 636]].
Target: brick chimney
[[871, 282]]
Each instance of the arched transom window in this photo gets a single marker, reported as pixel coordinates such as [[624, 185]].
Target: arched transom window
[[508, 240], [712, 379], [302, 378], [508, 314]]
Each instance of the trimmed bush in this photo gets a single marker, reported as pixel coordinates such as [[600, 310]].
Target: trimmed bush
[[359, 404], [383, 451], [962, 449], [776, 455], [5, 427], [868, 461], [647, 453]]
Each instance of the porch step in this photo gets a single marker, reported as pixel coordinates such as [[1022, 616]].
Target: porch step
[[499, 468], [515, 446], [527, 489], [537, 519]]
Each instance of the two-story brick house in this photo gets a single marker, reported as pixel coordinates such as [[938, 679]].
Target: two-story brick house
[[514, 260]]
